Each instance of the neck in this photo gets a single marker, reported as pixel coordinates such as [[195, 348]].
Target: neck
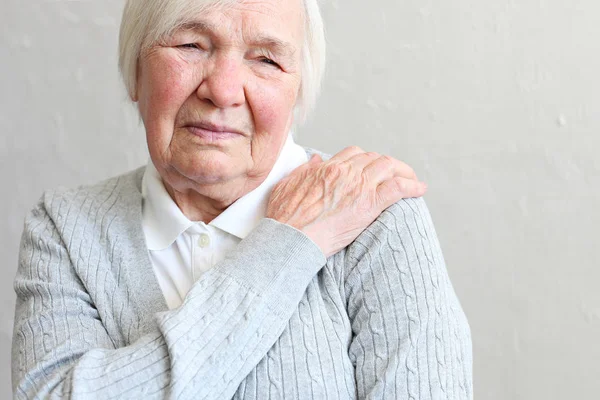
[[207, 203]]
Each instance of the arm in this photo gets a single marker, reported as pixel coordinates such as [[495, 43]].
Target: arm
[[204, 349], [230, 318], [410, 336]]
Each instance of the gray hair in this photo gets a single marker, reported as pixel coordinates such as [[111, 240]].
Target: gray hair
[[146, 22]]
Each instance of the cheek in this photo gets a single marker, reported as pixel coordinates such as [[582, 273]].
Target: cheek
[[165, 86], [272, 109]]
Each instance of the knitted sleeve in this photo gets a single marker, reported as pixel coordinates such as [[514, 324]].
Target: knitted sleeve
[[202, 350], [411, 339]]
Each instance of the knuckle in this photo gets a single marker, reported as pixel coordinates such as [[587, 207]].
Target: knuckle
[[388, 159], [333, 170], [354, 149], [401, 185]]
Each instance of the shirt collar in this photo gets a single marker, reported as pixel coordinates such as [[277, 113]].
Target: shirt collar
[[163, 221]]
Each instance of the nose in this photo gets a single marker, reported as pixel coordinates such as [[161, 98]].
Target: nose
[[223, 83]]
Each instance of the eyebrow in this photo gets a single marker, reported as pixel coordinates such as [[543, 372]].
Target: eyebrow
[[270, 43], [200, 26]]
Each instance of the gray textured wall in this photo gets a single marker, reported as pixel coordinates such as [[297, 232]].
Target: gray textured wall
[[495, 104]]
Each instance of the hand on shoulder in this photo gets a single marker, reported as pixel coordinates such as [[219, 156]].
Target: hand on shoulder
[[333, 201]]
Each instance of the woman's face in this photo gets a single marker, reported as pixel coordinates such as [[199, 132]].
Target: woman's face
[[217, 97]]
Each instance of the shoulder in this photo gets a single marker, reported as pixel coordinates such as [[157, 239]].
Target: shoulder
[[60, 202], [66, 223], [77, 212], [401, 245], [405, 224], [401, 239]]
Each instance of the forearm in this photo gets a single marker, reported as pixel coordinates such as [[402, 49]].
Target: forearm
[[204, 349]]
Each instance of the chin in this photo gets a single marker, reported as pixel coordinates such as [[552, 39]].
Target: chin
[[213, 172]]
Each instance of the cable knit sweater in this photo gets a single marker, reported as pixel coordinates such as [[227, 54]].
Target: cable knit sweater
[[274, 320]]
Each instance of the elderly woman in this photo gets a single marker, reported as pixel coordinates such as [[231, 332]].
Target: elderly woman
[[236, 263]]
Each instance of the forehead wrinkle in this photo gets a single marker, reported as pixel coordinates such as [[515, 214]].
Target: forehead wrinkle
[[260, 41], [196, 25], [217, 31]]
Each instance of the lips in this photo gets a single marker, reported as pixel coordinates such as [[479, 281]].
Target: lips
[[213, 132]]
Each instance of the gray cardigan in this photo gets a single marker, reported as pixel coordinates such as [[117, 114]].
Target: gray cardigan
[[274, 320]]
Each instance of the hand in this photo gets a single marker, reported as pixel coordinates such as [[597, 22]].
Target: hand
[[332, 202]]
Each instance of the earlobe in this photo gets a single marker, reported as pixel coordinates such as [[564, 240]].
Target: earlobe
[[133, 96]]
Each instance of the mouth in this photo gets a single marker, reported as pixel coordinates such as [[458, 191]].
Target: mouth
[[212, 132]]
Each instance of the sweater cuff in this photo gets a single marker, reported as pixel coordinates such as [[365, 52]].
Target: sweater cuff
[[275, 257]]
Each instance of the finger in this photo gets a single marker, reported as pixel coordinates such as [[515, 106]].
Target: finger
[[385, 167], [347, 153], [362, 160], [314, 160], [397, 188]]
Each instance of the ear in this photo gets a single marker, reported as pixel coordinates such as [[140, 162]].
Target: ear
[[133, 94]]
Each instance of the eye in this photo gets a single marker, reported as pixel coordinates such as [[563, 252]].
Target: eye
[[189, 46], [268, 61]]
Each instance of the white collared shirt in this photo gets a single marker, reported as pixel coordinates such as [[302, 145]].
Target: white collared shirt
[[182, 250]]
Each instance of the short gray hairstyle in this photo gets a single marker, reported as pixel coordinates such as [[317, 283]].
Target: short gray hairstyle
[[146, 22]]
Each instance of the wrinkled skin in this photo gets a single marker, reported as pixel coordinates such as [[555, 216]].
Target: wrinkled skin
[[333, 202], [217, 100]]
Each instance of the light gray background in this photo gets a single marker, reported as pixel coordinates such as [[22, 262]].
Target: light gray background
[[496, 104]]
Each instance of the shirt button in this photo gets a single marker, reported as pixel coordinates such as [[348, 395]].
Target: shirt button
[[204, 240]]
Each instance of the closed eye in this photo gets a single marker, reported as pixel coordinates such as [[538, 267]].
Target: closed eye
[[189, 46], [269, 61]]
